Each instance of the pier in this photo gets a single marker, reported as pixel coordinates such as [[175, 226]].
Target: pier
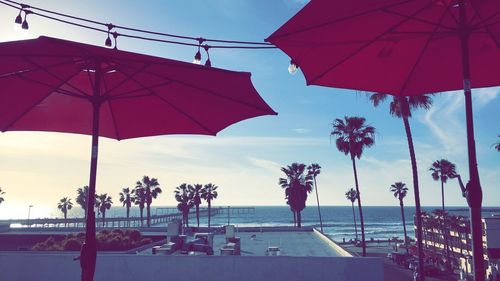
[[162, 215]]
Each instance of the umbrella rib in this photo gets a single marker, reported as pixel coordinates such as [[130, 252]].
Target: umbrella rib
[[487, 19], [110, 107], [29, 109], [114, 120], [125, 94], [184, 113], [129, 97], [137, 71], [60, 91], [204, 90], [488, 31], [407, 80], [365, 46], [178, 110], [337, 20], [58, 78], [418, 19]]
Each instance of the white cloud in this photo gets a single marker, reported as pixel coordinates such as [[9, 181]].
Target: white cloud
[[485, 95], [265, 164], [301, 130]]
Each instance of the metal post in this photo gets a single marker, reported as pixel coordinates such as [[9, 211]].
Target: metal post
[[29, 211], [89, 248], [473, 190]]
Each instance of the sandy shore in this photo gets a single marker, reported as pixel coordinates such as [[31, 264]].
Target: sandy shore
[[392, 271]]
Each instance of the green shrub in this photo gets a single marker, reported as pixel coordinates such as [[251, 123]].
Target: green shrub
[[72, 244], [115, 240]]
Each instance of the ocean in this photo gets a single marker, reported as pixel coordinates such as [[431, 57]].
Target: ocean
[[380, 222]]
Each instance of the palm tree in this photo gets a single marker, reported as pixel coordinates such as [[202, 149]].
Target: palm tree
[[64, 205], [399, 189], [127, 198], [209, 193], [183, 195], [443, 170], [197, 200], [140, 200], [296, 184], [151, 190], [314, 170], [81, 199], [351, 195], [352, 136], [103, 202], [1, 193], [401, 107]]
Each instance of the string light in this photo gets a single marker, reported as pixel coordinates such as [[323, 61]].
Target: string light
[[292, 68], [138, 33], [25, 25], [19, 19], [197, 56], [115, 35], [107, 43], [208, 63]]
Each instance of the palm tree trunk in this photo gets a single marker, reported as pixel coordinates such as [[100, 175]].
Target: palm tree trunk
[[148, 214], [198, 215], [65, 218], [299, 220], [103, 218], [359, 206], [355, 224], [209, 209], [442, 194], [404, 223], [141, 211], [128, 216], [184, 218], [418, 212], [317, 200]]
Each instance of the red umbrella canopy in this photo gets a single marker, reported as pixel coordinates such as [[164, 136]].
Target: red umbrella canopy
[[50, 84], [393, 46]]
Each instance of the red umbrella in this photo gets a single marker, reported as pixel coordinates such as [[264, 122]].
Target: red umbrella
[[50, 84], [402, 47]]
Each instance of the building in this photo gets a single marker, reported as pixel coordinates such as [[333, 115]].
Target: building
[[274, 253], [441, 229]]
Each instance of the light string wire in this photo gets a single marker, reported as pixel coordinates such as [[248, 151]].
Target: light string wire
[[55, 16]]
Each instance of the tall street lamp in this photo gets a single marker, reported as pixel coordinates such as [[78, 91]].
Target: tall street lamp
[[29, 211]]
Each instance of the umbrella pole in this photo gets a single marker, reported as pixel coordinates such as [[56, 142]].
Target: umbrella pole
[[89, 248], [473, 188]]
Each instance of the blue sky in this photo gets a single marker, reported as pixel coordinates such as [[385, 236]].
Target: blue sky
[[245, 159]]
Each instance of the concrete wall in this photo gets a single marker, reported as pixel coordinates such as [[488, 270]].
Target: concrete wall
[[110, 267]]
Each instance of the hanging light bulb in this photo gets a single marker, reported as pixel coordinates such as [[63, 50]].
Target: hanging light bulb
[[292, 68], [19, 19], [25, 25], [197, 57], [108, 40], [208, 63], [115, 35]]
